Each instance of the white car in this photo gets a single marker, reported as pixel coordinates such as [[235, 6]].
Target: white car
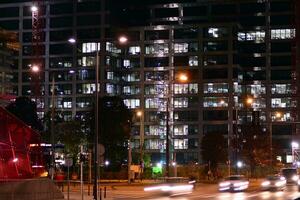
[[234, 183], [171, 189], [275, 182]]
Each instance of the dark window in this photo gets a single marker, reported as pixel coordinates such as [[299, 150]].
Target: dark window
[[223, 9], [156, 62], [282, 129], [9, 12], [281, 6], [281, 47], [281, 75], [252, 47], [254, 75], [215, 73], [246, 61], [156, 35], [191, 33], [88, 33], [61, 49], [252, 21], [10, 24], [215, 60], [215, 115], [194, 11], [215, 46], [281, 60], [166, 12], [281, 20], [181, 61], [185, 116], [63, 8], [215, 128], [252, 7], [89, 6], [89, 20], [60, 35], [61, 22]]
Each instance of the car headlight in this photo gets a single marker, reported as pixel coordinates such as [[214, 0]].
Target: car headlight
[[265, 183], [240, 184], [224, 184], [279, 183], [295, 178]]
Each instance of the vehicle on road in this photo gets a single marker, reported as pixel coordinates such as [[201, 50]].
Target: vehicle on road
[[275, 182], [234, 183], [172, 187], [290, 174]]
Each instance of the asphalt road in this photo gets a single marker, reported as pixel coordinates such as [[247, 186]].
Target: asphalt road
[[207, 192]]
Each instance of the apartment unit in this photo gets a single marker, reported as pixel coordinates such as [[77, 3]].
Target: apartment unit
[[228, 49]]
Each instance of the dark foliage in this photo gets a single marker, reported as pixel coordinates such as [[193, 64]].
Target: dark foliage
[[214, 149], [25, 109]]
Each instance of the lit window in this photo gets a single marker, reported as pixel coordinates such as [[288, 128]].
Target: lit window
[[215, 88], [157, 49], [132, 103], [281, 89], [181, 102], [155, 103], [191, 88], [131, 90], [156, 130], [156, 89], [193, 61], [181, 143], [87, 61], [132, 77], [110, 75], [134, 50], [215, 102], [110, 47], [281, 34], [216, 32], [181, 129], [155, 144], [252, 36], [88, 88], [181, 47], [126, 63], [110, 88], [282, 102], [256, 89], [90, 47]]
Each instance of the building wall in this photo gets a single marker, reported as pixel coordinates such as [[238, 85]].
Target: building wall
[[228, 48]]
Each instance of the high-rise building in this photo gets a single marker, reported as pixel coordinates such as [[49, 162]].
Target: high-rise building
[[230, 50]]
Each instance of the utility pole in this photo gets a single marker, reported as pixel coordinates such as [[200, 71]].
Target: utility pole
[[52, 130]]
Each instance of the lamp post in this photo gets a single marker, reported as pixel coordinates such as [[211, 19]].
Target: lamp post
[[139, 114], [182, 77], [295, 145], [96, 135], [36, 69]]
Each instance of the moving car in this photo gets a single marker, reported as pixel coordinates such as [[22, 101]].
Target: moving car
[[234, 183], [290, 174], [172, 188], [274, 182]]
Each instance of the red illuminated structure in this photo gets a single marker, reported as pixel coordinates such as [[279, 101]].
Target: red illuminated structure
[[17, 159]]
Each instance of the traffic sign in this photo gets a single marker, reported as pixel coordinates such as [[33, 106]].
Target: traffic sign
[[68, 162]]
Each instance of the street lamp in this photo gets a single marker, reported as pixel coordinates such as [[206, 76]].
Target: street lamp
[[139, 114], [96, 137], [36, 69], [295, 145], [182, 77], [34, 8]]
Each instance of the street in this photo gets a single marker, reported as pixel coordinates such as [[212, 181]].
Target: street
[[203, 191]]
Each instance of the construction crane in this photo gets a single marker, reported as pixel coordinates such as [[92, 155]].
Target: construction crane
[[37, 39]]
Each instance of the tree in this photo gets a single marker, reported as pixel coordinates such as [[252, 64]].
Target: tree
[[255, 146], [115, 127], [58, 118], [25, 109], [214, 149], [71, 135]]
